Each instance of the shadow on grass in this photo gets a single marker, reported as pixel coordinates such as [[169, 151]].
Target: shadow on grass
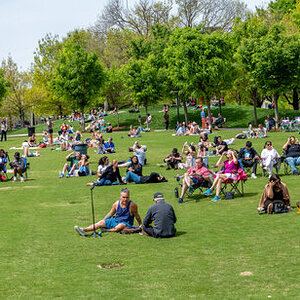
[[179, 233], [250, 194]]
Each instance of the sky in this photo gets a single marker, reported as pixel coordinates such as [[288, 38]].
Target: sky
[[24, 22]]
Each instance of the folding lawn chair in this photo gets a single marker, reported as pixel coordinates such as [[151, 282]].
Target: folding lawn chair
[[235, 184]]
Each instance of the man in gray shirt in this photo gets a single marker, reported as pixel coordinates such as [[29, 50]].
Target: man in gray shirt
[[163, 216]]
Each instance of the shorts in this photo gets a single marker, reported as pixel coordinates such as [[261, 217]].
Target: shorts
[[195, 180], [230, 175], [112, 223], [85, 170], [50, 131], [31, 155]]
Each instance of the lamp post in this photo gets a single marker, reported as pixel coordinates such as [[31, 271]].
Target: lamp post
[[177, 103]]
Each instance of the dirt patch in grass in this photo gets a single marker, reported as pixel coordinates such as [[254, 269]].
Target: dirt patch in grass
[[18, 187], [246, 273], [110, 267], [55, 204]]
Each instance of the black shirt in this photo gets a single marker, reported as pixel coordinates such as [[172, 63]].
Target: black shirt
[[293, 150], [109, 174], [137, 168], [164, 218], [152, 178]]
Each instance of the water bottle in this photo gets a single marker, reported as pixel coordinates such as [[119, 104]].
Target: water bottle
[[176, 193], [178, 177]]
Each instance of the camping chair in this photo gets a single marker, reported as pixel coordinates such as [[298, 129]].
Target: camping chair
[[235, 184], [9, 173], [199, 186], [276, 166]]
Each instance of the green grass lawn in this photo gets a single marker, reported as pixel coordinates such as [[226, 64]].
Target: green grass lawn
[[43, 257]]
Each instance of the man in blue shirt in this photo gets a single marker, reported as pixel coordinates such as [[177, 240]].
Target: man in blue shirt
[[124, 210], [109, 146]]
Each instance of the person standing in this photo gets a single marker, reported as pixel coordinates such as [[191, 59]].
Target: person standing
[[167, 119], [3, 130], [163, 216], [50, 131], [203, 119]]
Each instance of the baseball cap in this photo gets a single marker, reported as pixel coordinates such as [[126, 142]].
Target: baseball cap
[[158, 196]]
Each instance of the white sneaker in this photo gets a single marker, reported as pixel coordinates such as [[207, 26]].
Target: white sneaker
[[15, 179], [80, 230], [22, 179], [253, 176], [260, 209]]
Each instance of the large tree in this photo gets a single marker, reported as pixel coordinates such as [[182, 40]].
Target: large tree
[[277, 63], [3, 85], [199, 63], [46, 58], [14, 103], [79, 75], [146, 82]]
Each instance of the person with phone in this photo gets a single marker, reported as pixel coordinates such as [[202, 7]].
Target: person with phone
[[275, 194], [292, 152]]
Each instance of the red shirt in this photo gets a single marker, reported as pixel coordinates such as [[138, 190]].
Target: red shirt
[[194, 171]]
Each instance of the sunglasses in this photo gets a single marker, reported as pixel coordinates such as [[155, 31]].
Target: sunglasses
[[269, 144]]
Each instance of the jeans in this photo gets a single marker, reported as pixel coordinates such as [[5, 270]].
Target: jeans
[[133, 177], [3, 135], [293, 162], [102, 181], [248, 163]]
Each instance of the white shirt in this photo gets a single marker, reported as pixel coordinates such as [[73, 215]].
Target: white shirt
[[102, 168], [269, 154]]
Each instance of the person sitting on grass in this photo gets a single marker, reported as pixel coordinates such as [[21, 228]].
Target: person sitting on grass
[[140, 153], [45, 137], [190, 154], [18, 165], [248, 157], [221, 146], [110, 176], [3, 162], [32, 141], [134, 166], [121, 216], [27, 152], [109, 146], [103, 164], [173, 159], [292, 152], [195, 177], [275, 192], [78, 136], [162, 215], [84, 165], [73, 158], [230, 172], [261, 131], [270, 158], [152, 178]]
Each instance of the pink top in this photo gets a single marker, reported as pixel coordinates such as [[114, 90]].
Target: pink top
[[230, 167], [201, 171]]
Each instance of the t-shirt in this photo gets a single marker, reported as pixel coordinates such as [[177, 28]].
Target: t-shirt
[[202, 114], [141, 155], [293, 150], [73, 161], [196, 172], [230, 167], [247, 153], [102, 168], [111, 145]]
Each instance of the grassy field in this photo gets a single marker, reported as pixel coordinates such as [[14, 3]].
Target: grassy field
[[43, 257], [230, 112]]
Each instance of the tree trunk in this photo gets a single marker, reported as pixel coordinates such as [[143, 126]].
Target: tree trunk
[[295, 99], [82, 119], [208, 111], [146, 109], [238, 95], [275, 100], [186, 116], [106, 106], [117, 112], [254, 98], [60, 110]]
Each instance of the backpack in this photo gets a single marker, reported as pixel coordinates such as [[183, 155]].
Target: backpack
[[279, 207]]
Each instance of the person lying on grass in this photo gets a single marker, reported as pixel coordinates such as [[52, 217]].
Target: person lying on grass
[[73, 158], [163, 217], [152, 178], [27, 152], [195, 176], [230, 171], [18, 166], [121, 216], [275, 192]]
